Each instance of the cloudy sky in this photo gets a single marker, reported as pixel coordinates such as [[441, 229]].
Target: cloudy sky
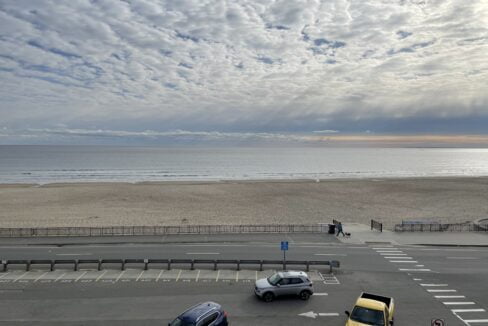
[[84, 71]]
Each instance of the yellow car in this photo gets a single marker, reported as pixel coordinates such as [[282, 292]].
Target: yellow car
[[371, 309]]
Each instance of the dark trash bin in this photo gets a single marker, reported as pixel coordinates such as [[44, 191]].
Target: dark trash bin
[[332, 228]]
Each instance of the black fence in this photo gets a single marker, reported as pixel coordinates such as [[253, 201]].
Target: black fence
[[376, 225], [98, 264], [440, 227], [161, 230]]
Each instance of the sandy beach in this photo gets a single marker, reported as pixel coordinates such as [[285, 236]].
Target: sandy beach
[[244, 202]]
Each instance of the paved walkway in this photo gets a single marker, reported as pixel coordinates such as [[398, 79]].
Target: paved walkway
[[361, 234]]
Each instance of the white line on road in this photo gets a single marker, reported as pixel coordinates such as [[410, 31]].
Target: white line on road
[[474, 321], [198, 275], [99, 277], [321, 294], [468, 310], [451, 303], [159, 275], [37, 279], [59, 277], [403, 261], [328, 314], [178, 277], [396, 257], [391, 254], [414, 269], [432, 284], [417, 279], [203, 253], [85, 254], [449, 296], [462, 258], [123, 272], [217, 278], [431, 290], [139, 276], [330, 255], [18, 278], [78, 278], [389, 248]]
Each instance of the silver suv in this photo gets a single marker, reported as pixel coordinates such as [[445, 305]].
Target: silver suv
[[284, 283]]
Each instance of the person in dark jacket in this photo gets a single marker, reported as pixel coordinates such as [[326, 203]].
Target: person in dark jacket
[[339, 229]]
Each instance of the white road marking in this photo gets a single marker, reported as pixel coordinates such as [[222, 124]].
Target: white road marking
[[451, 303], [37, 279], [474, 321], [159, 275], [198, 275], [256, 275], [178, 277], [85, 254], [203, 253], [328, 314], [391, 254], [404, 261], [414, 270], [419, 265], [389, 248], [59, 277], [462, 258], [2, 276], [217, 278], [432, 290], [237, 276], [142, 272], [79, 277], [432, 284], [321, 294], [330, 255], [449, 296], [18, 278], [122, 273], [417, 279], [99, 277], [468, 310]]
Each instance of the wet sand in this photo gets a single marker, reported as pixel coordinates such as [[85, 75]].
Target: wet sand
[[244, 202]]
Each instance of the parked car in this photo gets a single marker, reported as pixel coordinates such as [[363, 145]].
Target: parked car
[[203, 314], [371, 309], [284, 283]]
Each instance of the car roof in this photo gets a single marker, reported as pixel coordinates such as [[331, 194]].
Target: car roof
[[293, 274], [194, 313]]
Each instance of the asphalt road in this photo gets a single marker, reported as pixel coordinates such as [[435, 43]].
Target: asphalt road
[[426, 282]]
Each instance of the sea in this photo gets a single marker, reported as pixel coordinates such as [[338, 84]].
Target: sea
[[65, 164]]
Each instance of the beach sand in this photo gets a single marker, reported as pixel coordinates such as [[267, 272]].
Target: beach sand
[[244, 202]]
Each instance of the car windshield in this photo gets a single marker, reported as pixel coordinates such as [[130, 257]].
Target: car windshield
[[368, 316], [274, 279], [179, 322]]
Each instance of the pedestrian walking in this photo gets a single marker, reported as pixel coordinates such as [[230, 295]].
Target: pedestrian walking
[[339, 229]]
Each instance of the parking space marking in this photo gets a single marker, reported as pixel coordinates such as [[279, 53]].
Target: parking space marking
[[178, 277], [42, 275], [159, 275], [467, 310], [396, 257], [432, 284], [449, 296], [218, 274], [142, 272], [432, 290], [79, 277], [450, 303], [18, 278], [198, 275], [237, 276], [2, 276], [462, 258], [391, 254], [321, 294], [414, 269], [59, 277], [99, 277], [404, 261], [389, 251], [119, 276]]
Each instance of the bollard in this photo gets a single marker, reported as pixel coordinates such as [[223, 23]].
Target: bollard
[[122, 266], [261, 265], [27, 266], [146, 262], [215, 265], [238, 265], [4, 263], [308, 266], [192, 267], [76, 265], [169, 264], [99, 264], [52, 266]]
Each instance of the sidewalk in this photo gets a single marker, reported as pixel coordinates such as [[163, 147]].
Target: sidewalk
[[362, 234]]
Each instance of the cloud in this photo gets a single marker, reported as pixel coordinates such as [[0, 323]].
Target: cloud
[[242, 66]]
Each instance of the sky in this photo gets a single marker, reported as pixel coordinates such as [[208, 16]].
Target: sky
[[155, 71]]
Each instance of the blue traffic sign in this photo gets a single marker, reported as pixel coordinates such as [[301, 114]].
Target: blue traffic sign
[[284, 245]]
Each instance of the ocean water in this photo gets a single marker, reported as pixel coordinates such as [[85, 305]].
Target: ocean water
[[48, 164]]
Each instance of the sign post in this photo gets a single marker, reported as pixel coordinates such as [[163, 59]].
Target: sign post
[[284, 248]]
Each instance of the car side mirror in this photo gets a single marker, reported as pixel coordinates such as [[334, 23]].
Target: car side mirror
[[347, 313]]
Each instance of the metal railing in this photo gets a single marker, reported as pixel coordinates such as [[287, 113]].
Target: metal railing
[[168, 263], [160, 230], [376, 225], [440, 227]]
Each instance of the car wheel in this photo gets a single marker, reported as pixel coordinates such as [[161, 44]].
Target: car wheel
[[305, 295], [268, 297]]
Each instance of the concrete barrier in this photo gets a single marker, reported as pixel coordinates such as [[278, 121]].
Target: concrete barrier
[[145, 262]]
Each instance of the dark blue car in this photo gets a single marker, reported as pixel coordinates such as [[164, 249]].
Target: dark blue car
[[203, 314]]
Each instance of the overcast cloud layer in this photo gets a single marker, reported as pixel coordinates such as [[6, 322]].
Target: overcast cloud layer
[[246, 67]]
